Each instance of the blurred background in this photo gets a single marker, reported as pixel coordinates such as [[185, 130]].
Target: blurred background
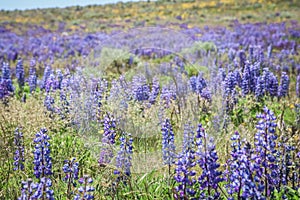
[[33, 4]]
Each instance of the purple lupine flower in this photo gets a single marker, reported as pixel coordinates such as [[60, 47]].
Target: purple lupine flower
[[245, 83], [6, 71], [32, 69], [243, 58], [43, 189], [261, 56], [109, 126], [71, 169], [6, 85], [260, 87], [266, 159], [298, 86], [238, 78], [130, 60], [42, 159], [32, 79], [284, 85], [108, 139], [65, 83], [254, 72], [266, 74], [19, 157], [229, 86], [240, 178], [142, 93], [3, 90], [184, 171], [123, 160], [206, 94], [198, 83], [64, 106], [208, 161], [60, 77], [98, 94], [49, 103], [168, 94], [193, 83], [296, 171], [230, 83], [221, 74], [286, 164], [168, 146], [20, 74], [47, 73], [154, 90], [106, 153], [273, 86], [51, 83], [85, 190], [28, 189], [141, 90]]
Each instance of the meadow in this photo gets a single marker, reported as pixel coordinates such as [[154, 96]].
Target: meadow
[[151, 100]]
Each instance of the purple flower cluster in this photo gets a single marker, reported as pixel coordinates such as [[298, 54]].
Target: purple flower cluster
[[108, 139], [19, 157], [123, 160], [42, 159], [210, 176], [20, 74], [32, 79], [266, 156], [167, 96], [184, 171], [6, 86], [32, 190], [28, 189], [141, 90], [47, 73], [85, 190], [42, 170], [168, 146], [154, 90], [71, 169], [198, 83], [98, 93], [231, 81], [49, 103], [284, 85], [254, 173], [240, 182]]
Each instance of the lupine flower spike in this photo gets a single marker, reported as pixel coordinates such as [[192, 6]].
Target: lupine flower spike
[[168, 146], [71, 169], [42, 159], [208, 162], [19, 153], [184, 171], [85, 190]]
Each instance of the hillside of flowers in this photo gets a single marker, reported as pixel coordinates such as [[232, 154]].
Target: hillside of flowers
[[158, 100]]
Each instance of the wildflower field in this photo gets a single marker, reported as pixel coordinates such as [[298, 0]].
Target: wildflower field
[[151, 100]]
